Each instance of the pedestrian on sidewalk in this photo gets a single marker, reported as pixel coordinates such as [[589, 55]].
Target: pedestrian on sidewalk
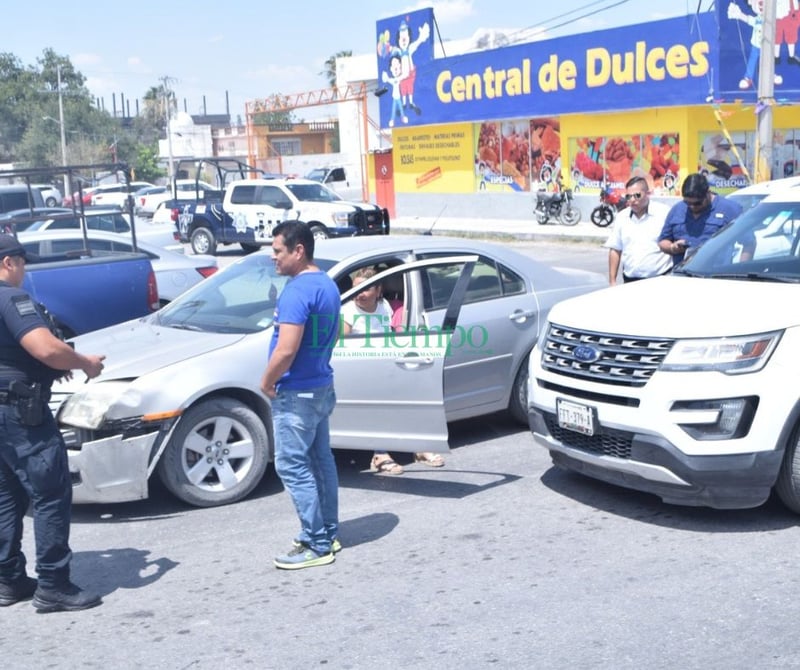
[[633, 242]]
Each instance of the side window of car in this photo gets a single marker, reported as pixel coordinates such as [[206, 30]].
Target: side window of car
[[120, 224], [243, 195], [486, 283], [63, 224], [512, 283], [337, 174]]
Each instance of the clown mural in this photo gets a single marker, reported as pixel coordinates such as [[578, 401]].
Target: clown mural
[[404, 43]]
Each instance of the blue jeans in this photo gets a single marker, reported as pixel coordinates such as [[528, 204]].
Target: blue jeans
[[305, 463]]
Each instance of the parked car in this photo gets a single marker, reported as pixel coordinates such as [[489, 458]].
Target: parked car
[[18, 196], [140, 197], [84, 194], [187, 189], [116, 194], [749, 196], [50, 194], [175, 272], [109, 219], [180, 391], [19, 219]]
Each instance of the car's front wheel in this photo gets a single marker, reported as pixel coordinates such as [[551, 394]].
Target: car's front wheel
[[319, 233], [50, 202], [518, 402], [788, 485], [217, 454], [203, 241]]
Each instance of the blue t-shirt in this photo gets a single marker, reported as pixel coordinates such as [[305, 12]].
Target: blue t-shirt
[[681, 224], [311, 299]]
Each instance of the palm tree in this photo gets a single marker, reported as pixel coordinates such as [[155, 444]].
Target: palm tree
[[330, 67]]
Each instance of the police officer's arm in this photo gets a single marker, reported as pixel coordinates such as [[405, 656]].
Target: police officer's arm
[[289, 338], [52, 352]]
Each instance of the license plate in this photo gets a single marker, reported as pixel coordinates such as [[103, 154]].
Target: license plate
[[574, 416]]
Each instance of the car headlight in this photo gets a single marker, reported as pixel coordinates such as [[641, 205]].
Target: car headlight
[[731, 355], [341, 218], [87, 408]]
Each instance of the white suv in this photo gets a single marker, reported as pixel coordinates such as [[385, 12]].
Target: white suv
[[116, 195], [685, 386]]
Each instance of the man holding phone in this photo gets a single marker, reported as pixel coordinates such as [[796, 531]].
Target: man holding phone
[[697, 217]]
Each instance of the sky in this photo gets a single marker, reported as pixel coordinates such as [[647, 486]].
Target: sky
[[251, 50]]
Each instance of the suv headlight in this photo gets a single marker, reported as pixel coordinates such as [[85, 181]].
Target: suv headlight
[[341, 218], [731, 355], [87, 408]]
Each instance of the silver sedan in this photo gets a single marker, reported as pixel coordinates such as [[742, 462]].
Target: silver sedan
[[180, 394]]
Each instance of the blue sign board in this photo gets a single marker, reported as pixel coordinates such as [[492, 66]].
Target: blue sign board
[[658, 64]]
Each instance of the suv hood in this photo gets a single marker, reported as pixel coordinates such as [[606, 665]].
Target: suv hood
[[678, 306]]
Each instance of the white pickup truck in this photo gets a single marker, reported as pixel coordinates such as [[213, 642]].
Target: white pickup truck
[[685, 386]]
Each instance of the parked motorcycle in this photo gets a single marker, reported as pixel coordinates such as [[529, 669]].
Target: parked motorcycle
[[611, 202], [556, 206]]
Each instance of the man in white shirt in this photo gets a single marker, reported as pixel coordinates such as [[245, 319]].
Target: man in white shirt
[[633, 243]]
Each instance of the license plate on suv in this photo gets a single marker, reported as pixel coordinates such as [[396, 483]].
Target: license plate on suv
[[575, 416]]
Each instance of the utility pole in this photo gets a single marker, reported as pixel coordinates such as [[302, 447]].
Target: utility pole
[[168, 114], [766, 93], [63, 133]]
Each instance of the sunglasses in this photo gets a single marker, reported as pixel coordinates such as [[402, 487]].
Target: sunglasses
[[635, 196]]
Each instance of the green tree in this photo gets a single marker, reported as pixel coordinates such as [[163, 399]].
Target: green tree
[[330, 67]]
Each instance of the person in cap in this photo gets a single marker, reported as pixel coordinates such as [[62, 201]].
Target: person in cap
[[33, 457], [697, 217]]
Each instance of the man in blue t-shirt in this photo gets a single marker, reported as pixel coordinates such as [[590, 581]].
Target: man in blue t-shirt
[[299, 381], [691, 222]]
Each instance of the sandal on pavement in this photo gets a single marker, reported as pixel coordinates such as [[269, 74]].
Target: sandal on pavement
[[385, 466], [429, 458]]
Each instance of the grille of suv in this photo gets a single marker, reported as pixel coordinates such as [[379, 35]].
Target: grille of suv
[[606, 442], [612, 359]]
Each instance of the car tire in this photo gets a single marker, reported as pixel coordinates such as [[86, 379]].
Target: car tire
[[788, 484], [203, 242], [50, 202], [319, 233], [518, 401], [217, 455]]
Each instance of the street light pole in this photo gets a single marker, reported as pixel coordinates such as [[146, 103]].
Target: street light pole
[[63, 133]]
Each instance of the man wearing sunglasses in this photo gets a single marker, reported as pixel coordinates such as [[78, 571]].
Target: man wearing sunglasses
[[633, 242], [697, 217]]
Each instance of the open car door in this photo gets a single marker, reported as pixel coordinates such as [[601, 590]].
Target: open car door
[[390, 385]]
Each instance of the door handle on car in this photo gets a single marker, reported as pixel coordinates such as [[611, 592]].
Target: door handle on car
[[522, 314], [413, 362]]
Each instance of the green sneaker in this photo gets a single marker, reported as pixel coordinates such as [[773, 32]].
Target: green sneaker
[[303, 557], [336, 546]]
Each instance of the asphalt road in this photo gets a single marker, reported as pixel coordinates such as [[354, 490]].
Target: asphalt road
[[497, 560]]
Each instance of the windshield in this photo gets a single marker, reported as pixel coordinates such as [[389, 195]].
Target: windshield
[[763, 243], [239, 299], [313, 193], [317, 174]]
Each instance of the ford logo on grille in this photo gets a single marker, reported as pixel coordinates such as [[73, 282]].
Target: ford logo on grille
[[585, 354]]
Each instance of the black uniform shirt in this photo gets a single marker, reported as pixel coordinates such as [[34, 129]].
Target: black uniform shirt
[[19, 314]]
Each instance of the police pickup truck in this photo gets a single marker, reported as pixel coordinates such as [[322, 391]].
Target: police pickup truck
[[84, 290], [245, 210]]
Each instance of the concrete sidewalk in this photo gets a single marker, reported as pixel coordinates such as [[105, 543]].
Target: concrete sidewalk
[[518, 229]]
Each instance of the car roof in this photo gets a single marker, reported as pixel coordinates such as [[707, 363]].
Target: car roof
[[768, 186], [785, 194], [272, 182], [70, 233]]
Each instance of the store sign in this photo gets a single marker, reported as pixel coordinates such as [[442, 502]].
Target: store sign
[[656, 64]]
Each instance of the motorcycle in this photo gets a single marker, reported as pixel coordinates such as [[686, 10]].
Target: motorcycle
[[611, 202], [556, 206]]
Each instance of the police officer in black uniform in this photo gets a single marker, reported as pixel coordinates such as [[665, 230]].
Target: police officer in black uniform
[[33, 456]]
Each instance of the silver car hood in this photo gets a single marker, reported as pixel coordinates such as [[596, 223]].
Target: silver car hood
[[138, 347]]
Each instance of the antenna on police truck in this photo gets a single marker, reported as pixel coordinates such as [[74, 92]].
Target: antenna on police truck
[[430, 230]]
